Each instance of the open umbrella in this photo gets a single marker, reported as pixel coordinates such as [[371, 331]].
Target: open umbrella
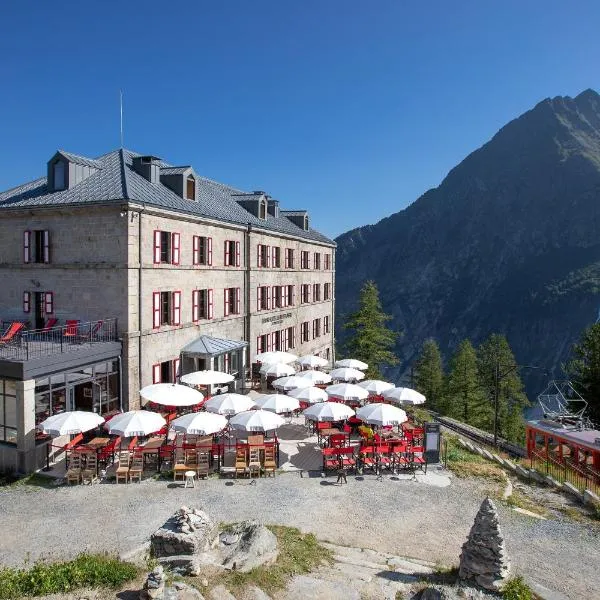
[[315, 376], [352, 363], [402, 395], [171, 394], [347, 391], [201, 423], [347, 374], [276, 356], [381, 414], [256, 420], [278, 403], [328, 411], [375, 386], [290, 383], [312, 361], [70, 423], [310, 394], [277, 370], [135, 422], [229, 404], [206, 378]]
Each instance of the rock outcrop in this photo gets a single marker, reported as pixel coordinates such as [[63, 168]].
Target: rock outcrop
[[483, 559], [248, 545]]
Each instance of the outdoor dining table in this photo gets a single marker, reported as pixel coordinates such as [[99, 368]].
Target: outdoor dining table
[[152, 448], [97, 443]]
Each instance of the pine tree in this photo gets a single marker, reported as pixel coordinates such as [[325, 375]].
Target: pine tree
[[584, 370], [429, 374], [497, 369], [464, 398], [371, 341]]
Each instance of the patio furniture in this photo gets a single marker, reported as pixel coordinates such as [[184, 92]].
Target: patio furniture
[[254, 465], [368, 458], [346, 458], [50, 323], [71, 329], [74, 470], [269, 463], [203, 464], [165, 455], [108, 451], [91, 332], [90, 472], [179, 466], [241, 464], [228, 465], [11, 332], [417, 459], [190, 477], [331, 460], [122, 471]]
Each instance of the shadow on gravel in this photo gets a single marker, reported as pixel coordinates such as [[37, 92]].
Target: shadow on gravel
[[128, 595]]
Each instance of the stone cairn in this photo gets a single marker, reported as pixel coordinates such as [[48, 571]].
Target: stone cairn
[[154, 587], [483, 559]]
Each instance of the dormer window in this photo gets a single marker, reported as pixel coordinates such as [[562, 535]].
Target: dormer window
[[59, 175], [190, 188], [306, 223], [262, 214]]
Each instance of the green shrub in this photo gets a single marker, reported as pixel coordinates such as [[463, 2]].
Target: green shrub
[[516, 589], [87, 570]]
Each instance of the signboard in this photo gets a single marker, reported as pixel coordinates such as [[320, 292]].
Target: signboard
[[277, 319]]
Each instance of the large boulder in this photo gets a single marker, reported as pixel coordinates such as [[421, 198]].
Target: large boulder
[[187, 532], [248, 545]]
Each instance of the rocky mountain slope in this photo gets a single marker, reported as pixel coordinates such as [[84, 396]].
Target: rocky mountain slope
[[509, 242]]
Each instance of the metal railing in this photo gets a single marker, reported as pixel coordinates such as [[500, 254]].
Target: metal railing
[[37, 343], [581, 476]]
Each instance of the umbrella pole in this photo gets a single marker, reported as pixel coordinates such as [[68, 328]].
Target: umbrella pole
[[47, 467]]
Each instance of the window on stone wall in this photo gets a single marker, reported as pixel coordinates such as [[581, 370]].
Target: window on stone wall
[[304, 260], [327, 291], [304, 332], [8, 411]]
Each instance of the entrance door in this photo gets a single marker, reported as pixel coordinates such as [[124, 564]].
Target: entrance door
[[38, 310]]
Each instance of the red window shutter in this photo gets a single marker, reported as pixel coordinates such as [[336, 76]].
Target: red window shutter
[[285, 339], [286, 260], [175, 244], [195, 306], [209, 251], [273, 261], [274, 296], [156, 373], [210, 304], [268, 337], [237, 301], [267, 256], [258, 303], [156, 247], [27, 246], [258, 256], [155, 310], [26, 302], [293, 295], [46, 246], [226, 302], [259, 345], [196, 250], [226, 253], [308, 293], [48, 302], [268, 297], [274, 340], [175, 369], [237, 254], [176, 308], [294, 336]]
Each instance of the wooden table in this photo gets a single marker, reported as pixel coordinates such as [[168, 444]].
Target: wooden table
[[329, 432], [152, 445], [97, 443]]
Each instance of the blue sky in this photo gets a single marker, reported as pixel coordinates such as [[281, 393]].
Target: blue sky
[[348, 109]]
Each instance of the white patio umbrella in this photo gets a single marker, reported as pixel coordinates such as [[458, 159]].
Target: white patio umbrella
[[311, 394], [229, 404], [309, 360], [352, 363], [276, 356], [278, 403], [376, 386], [328, 411], [70, 423], [381, 414], [135, 422], [256, 420], [315, 376], [347, 391], [402, 395], [206, 378], [290, 383], [201, 423], [346, 374], [277, 370], [171, 394]]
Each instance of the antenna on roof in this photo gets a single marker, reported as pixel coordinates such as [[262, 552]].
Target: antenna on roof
[[121, 106]]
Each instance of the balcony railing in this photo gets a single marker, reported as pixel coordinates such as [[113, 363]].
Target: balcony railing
[[37, 343]]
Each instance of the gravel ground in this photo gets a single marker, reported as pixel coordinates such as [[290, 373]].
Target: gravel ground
[[402, 517]]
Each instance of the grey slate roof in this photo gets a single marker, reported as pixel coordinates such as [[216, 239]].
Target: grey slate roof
[[81, 160], [116, 181], [173, 170], [294, 213], [207, 345]]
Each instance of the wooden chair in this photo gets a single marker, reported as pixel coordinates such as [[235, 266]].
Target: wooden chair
[[74, 471], [179, 466], [241, 464], [137, 467], [269, 464], [203, 464], [254, 465], [90, 473], [122, 471], [229, 460]]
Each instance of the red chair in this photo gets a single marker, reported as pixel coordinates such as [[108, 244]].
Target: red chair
[[417, 458], [346, 456], [92, 331], [50, 323], [369, 459], [400, 456], [71, 328], [331, 461], [11, 332], [384, 456], [337, 441], [165, 455]]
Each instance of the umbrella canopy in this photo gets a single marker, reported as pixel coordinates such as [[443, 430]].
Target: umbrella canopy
[[171, 394], [276, 356], [70, 423], [402, 395], [347, 391], [352, 363], [277, 370], [135, 422], [375, 386], [310, 360], [206, 378], [310, 394], [347, 374], [278, 403], [315, 376], [381, 414], [291, 383], [328, 411], [202, 423], [256, 420], [229, 404]]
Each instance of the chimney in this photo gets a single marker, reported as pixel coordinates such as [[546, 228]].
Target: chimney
[[273, 208], [147, 167]]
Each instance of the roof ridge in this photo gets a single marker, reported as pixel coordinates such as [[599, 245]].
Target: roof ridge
[[124, 185]]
